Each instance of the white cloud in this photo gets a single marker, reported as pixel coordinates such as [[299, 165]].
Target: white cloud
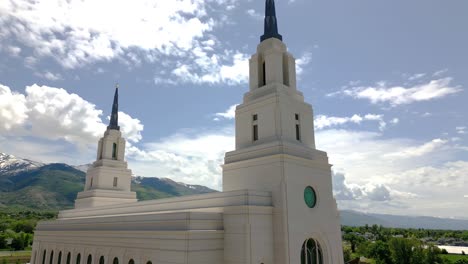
[[76, 34], [302, 62], [254, 14], [398, 95], [395, 121], [416, 76], [323, 121], [461, 130], [13, 111], [216, 69], [49, 76], [54, 114], [416, 151], [193, 159], [230, 113]]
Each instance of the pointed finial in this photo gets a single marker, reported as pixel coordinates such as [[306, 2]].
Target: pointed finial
[[271, 25], [114, 119]]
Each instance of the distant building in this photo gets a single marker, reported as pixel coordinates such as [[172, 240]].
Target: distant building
[[276, 206]]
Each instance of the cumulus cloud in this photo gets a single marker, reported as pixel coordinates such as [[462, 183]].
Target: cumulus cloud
[[345, 191], [55, 114], [323, 121], [398, 95], [13, 111]]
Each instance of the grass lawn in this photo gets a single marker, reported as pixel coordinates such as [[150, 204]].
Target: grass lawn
[[453, 257]]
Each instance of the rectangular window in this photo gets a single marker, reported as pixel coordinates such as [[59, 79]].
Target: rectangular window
[[254, 117], [255, 133], [264, 74], [114, 151], [297, 117], [298, 132], [91, 184], [115, 181]]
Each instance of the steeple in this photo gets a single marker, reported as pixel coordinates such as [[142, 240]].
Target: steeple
[[114, 119], [271, 26]]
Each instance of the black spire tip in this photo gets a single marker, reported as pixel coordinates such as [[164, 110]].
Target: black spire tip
[[271, 25], [114, 119]]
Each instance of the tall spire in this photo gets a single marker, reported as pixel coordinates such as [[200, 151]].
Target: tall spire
[[114, 119], [271, 26]]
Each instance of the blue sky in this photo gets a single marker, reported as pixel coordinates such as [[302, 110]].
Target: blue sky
[[387, 81]]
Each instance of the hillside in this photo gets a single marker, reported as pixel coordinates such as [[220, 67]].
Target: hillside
[[353, 218], [26, 184]]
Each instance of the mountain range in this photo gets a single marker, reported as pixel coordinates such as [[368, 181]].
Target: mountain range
[[27, 184]]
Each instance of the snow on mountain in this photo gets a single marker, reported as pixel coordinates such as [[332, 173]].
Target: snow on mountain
[[10, 164]]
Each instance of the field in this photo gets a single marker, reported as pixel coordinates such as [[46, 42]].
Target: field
[[13, 257], [454, 258]]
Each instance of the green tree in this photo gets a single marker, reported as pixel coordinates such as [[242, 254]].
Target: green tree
[[3, 242], [401, 250], [354, 240], [380, 252], [433, 255]]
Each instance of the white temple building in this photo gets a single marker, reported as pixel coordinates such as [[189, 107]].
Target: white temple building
[[276, 207]]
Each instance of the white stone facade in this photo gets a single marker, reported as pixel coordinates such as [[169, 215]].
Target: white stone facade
[[277, 205]]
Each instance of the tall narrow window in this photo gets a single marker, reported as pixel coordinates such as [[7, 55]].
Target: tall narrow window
[[68, 258], [115, 181], [44, 257], [115, 261], [263, 74], [78, 258], [51, 260], [101, 260], [91, 184], [114, 151], [90, 259], [298, 127], [254, 127], [298, 132], [255, 133], [59, 258]]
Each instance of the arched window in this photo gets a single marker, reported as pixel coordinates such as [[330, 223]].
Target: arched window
[[78, 259], [44, 256], [116, 261], [90, 259], [131, 261], [101, 260], [149, 262], [59, 260], [311, 252], [68, 258], [114, 151], [51, 260]]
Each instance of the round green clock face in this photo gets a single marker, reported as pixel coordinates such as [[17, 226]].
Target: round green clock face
[[310, 197]]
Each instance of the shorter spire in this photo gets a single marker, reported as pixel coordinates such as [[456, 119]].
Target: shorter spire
[[114, 119], [271, 25]]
